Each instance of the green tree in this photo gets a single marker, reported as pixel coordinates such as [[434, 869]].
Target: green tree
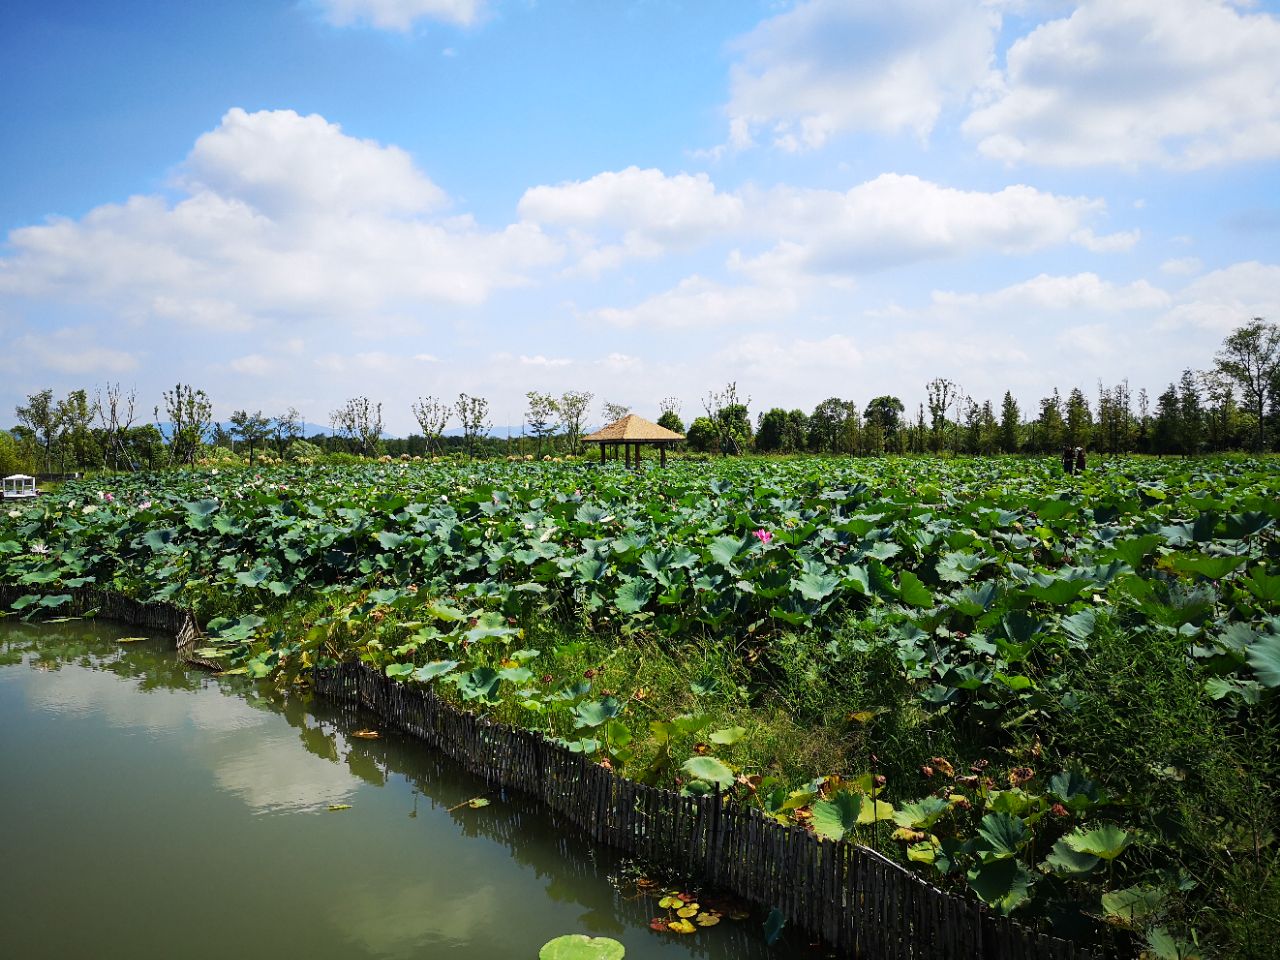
[[670, 416], [1079, 420], [541, 417], [671, 420], [285, 429], [251, 428], [473, 412], [1167, 435], [1010, 424], [941, 394], [189, 413], [884, 414], [1190, 414], [703, 436], [40, 417], [1250, 357], [573, 410], [771, 431], [73, 414], [1050, 428], [829, 426]]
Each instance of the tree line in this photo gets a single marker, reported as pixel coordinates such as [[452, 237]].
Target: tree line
[[1232, 405]]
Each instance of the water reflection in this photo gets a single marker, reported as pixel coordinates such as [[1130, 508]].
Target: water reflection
[[409, 870]]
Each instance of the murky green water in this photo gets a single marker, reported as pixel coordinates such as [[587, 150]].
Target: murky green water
[[153, 811]]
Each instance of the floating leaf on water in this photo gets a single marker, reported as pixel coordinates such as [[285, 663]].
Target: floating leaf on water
[[688, 910], [670, 902], [681, 926], [339, 806], [366, 734], [578, 946], [475, 803], [707, 919], [129, 639]]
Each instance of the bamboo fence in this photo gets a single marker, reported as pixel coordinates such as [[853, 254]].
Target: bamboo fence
[[848, 895]]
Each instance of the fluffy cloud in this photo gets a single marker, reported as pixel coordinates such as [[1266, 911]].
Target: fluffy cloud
[[1222, 300], [897, 219], [633, 212], [891, 220], [402, 14], [280, 217], [830, 66], [1182, 83]]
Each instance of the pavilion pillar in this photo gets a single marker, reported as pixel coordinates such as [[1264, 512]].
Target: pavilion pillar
[[602, 453], [662, 453], [626, 453], [638, 449]]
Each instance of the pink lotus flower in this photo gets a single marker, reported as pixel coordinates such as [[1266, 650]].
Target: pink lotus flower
[[110, 497], [764, 536]]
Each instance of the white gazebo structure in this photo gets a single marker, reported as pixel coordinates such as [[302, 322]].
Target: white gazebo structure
[[19, 486]]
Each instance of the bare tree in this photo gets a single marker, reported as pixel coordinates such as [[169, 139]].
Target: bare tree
[[432, 416], [115, 413], [615, 411], [729, 418], [360, 421], [573, 410], [474, 414]]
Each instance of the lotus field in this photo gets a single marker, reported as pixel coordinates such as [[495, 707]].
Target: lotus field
[[1057, 693]]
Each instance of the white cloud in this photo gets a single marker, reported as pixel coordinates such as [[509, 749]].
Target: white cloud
[[253, 364], [402, 14], [698, 302], [538, 360], [1108, 243], [68, 351], [831, 66], [1077, 292], [891, 220], [1225, 299], [896, 219], [283, 218], [287, 166], [1181, 83], [1182, 266], [650, 211]]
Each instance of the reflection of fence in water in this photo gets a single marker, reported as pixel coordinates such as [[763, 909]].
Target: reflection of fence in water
[[849, 895], [535, 836]]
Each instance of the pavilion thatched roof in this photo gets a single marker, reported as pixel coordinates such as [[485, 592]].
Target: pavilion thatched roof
[[633, 429]]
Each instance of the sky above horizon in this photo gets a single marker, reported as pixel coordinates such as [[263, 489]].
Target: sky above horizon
[[292, 203]]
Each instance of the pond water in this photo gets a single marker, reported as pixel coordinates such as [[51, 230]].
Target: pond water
[[150, 810]]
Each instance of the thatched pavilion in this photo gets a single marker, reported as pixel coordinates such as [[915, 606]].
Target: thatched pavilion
[[633, 432]]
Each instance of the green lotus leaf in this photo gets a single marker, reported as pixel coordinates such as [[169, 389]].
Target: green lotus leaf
[[578, 946]]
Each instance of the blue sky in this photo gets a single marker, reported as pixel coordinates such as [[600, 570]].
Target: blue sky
[[289, 204]]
